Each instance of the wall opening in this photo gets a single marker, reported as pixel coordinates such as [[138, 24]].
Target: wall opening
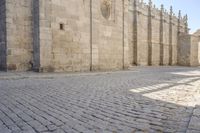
[[62, 26]]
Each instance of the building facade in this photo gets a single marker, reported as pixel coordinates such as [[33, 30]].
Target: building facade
[[89, 35]]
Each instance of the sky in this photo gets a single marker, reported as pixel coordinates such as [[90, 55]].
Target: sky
[[189, 7]]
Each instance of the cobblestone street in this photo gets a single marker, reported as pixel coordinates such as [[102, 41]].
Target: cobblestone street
[[142, 100]]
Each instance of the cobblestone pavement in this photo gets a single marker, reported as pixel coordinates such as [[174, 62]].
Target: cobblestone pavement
[[142, 100]]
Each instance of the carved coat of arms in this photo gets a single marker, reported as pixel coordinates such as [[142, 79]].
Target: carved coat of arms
[[106, 8]]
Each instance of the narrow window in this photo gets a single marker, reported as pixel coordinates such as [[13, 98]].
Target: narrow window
[[61, 26]]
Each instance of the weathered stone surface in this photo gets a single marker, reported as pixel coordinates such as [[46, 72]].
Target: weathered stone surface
[[189, 50], [194, 124], [90, 33], [69, 35], [153, 35], [148, 100], [106, 8], [2, 35], [19, 35], [197, 32]]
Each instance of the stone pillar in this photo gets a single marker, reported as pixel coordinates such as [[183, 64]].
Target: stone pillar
[[42, 35], [170, 37], [178, 40], [91, 62], [3, 35], [186, 24], [161, 36], [135, 24], [150, 34], [125, 34], [179, 20], [36, 40]]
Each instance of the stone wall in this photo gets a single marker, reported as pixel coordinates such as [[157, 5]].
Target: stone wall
[[197, 33], [70, 45], [131, 36], [87, 35], [195, 51], [108, 35], [142, 35], [2, 35], [153, 34], [45, 55], [184, 49], [91, 35], [174, 40], [166, 37], [19, 34], [189, 47]]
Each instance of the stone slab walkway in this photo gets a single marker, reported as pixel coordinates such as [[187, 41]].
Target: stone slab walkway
[[142, 100]]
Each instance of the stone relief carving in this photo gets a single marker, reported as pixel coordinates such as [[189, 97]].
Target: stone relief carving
[[106, 8]]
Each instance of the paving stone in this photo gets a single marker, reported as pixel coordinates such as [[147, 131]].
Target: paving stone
[[25, 117], [14, 128], [29, 131], [196, 112], [1, 123], [192, 131], [59, 131], [51, 127], [194, 123], [4, 129], [24, 126], [102, 102], [7, 121], [37, 126], [15, 117]]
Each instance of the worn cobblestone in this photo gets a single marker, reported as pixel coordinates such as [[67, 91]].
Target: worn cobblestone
[[143, 100]]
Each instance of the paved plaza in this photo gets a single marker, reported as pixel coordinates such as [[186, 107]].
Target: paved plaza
[[141, 100]]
